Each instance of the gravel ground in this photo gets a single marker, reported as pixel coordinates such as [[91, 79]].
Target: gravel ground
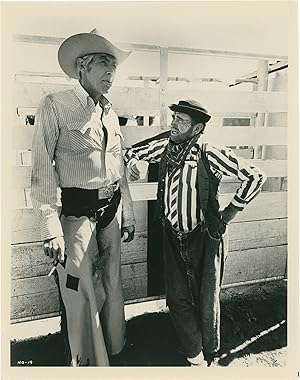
[[253, 334]]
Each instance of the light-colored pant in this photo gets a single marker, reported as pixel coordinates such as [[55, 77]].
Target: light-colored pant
[[91, 290]]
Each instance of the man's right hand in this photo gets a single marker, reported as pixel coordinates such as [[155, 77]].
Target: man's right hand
[[133, 173], [55, 249]]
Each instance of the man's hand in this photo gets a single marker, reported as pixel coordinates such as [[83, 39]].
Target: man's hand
[[55, 249], [129, 230], [229, 213], [133, 172]]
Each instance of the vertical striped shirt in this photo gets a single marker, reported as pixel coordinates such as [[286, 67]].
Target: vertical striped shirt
[[69, 130], [222, 161]]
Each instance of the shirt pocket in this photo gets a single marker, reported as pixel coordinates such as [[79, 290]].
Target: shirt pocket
[[83, 136]]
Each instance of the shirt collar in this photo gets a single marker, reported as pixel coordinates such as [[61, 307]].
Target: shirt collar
[[82, 94], [199, 141], [105, 104], [84, 98]]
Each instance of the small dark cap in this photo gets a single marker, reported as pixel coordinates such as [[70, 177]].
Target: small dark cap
[[192, 108]]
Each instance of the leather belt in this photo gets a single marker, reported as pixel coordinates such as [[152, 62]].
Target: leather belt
[[82, 202]]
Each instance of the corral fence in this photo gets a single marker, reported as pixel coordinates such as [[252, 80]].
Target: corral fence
[[257, 237]]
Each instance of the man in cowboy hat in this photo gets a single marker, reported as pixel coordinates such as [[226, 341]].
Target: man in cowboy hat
[[78, 130], [194, 244]]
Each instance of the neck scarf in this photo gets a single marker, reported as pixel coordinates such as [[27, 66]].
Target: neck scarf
[[176, 154]]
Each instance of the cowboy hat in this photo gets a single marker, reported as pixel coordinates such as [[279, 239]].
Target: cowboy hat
[[192, 108], [82, 44]]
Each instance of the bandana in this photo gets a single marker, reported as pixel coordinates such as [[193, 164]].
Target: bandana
[[176, 154]]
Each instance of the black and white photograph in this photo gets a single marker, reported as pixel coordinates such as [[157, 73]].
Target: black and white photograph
[[149, 190]]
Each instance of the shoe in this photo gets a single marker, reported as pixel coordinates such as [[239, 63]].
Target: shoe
[[198, 361], [203, 364]]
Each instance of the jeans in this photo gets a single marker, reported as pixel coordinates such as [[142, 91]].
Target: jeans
[[194, 263]]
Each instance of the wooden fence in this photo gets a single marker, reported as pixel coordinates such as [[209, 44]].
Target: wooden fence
[[257, 237]]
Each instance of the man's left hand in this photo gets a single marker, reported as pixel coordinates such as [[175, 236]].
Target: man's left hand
[[130, 232], [229, 213]]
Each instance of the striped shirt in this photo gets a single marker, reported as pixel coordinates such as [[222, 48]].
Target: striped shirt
[[222, 161], [69, 130]]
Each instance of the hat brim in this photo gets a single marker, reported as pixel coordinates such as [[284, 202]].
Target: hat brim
[[82, 44], [190, 111]]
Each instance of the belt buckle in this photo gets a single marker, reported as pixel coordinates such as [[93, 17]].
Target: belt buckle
[[105, 192]]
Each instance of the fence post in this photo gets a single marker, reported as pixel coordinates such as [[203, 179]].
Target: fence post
[[163, 87], [262, 85]]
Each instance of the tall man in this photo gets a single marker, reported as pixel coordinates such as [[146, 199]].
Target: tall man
[[193, 224], [78, 131]]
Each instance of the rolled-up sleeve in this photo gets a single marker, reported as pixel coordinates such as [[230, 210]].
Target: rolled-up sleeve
[[44, 179]]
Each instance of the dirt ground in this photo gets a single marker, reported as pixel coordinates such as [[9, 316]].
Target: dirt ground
[[253, 333]]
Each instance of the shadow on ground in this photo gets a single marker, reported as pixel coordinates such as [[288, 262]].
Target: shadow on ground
[[252, 322]]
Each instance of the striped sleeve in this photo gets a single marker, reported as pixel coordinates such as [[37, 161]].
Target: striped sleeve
[[225, 162], [44, 182], [150, 152]]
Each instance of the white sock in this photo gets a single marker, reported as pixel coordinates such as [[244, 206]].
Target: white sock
[[197, 359]]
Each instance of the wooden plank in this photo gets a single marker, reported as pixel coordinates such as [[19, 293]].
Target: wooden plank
[[18, 199], [272, 184], [147, 47], [29, 260], [123, 98], [284, 184], [257, 234], [235, 136], [21, 198], [23, 111], [41, 305], [141, 191], [272, 168], [217, 115], [227, 100], [25, 227], [163, 87], [22, 137], [135, 288], [265, 206], [254, 264], [21, 175], [33, 285], [231, 136], [23, 286], [132, 98], [33, 305], [30, 94], [136, 250], [39, 295], [244, 152], [261, 85], [247, 265], [256, 210]]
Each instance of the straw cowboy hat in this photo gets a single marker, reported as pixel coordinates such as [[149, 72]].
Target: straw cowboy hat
[[192, 108], [82, 44]]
